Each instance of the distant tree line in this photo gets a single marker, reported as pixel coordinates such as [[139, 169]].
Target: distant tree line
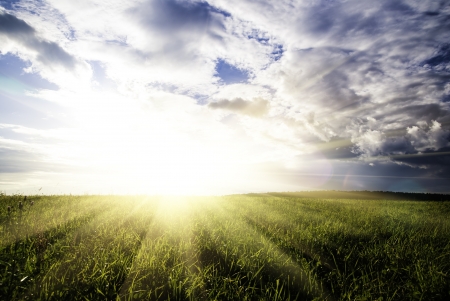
[[366, 195]]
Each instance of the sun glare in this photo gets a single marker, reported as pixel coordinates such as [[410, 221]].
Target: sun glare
[[131, 150]]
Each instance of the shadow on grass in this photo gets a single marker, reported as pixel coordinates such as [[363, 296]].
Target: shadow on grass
[[24, 260], [227, 280]]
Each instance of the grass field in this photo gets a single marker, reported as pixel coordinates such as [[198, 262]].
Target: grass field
[[239, 247]]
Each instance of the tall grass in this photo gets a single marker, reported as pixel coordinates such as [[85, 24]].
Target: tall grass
[[240, 247]]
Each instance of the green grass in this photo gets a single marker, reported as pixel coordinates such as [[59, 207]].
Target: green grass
[[240, 247]]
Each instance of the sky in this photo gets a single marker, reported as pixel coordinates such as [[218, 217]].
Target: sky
[[224, 96]]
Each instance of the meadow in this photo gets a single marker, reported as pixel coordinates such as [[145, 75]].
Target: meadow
[[237, 247]]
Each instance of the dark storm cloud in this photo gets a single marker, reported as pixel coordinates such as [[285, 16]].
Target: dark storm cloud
[[334, 92], [179, 25], [11, 25], [438, 160], [359, 175], [172, 16], [256, 107], [392, 176], [442, 57], [370, 141], [378, 75], [336, 98], [424, 112], [338, 21], [49, 53], [326, 20]]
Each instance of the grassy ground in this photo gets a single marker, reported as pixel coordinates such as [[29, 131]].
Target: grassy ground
[[241, 247]]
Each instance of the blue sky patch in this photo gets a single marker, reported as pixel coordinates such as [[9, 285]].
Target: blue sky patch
[[230, 74], [100, 76], [11, 71], [8, 4], [277, 52]]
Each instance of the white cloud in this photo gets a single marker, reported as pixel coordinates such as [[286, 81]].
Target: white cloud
[[47, 57], [432, 138]]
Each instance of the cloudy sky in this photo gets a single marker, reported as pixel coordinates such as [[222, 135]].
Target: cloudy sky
[[224, 96]]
